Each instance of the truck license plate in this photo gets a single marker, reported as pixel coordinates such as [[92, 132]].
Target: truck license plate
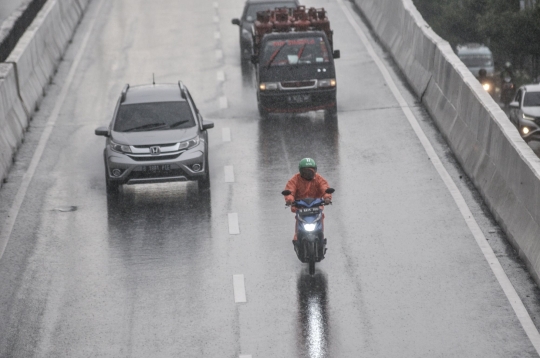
[[299, 98]]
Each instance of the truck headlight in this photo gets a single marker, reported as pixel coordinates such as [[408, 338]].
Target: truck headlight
[[310, 227], [330, 82], [190, 143], [122, 148], [268, 86]]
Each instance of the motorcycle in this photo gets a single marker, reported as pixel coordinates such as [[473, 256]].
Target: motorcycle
[[311, 245], [507, 91]]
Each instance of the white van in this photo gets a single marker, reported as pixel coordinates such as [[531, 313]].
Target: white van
[[476, 57]]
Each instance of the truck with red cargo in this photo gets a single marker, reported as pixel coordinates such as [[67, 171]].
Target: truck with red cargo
[[294, 59]]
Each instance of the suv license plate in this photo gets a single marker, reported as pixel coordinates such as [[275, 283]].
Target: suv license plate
[[156, 168], [299, 98]]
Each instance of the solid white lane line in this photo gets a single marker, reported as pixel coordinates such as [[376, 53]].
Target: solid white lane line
[[27, 177], [234, 228], [229, 174], [226, 134], [219, 54], [220, 76], [502, 278], [239, 289], [223, 103], [217, 35]]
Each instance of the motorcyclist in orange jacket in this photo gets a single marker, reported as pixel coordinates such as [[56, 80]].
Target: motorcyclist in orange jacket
[[307, 184]]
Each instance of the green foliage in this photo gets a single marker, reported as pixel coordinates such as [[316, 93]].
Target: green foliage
[[512, 34]]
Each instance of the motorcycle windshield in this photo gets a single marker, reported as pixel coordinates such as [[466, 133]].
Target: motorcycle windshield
[[309, 203]]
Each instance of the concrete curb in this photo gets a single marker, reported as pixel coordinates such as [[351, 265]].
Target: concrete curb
[[30, 68], [501, 165]]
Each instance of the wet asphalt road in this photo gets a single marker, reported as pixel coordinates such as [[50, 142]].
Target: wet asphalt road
[[7, 7], [150, 272]]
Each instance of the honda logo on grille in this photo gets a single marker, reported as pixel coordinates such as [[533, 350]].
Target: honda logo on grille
[[154, 150]]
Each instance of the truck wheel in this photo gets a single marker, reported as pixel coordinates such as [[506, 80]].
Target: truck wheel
[[331, 114], [262, 111]]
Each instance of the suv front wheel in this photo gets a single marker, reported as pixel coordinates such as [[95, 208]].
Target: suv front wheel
[[204, 184]]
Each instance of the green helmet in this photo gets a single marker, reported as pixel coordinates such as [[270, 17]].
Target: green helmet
[[307, 163]]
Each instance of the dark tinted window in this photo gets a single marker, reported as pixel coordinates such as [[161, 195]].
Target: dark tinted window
[[477, 60], [153, 116], [532, 99], [300, 51], [252, 10]]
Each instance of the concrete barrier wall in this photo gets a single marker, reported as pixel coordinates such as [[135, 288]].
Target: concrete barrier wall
[[29, 68], [502, 166]]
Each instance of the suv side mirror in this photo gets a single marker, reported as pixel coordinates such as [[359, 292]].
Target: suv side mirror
[[207, 125], [336, 54], [254, 59], [514, 105], [236, 22], [102, 131], [286, 192], [330, 190]]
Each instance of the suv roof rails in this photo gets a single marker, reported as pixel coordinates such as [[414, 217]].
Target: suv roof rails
[[182, 90], [124, 93]]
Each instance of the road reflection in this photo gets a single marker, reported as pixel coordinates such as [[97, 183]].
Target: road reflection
[[313, 315], [299, 136], [159, 222]]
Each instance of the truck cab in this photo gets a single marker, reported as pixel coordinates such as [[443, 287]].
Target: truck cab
[[295, 69]]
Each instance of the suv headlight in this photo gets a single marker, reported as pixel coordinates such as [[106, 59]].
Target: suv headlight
[[330, 82], [122, 148], [190, 143], [268, 86]]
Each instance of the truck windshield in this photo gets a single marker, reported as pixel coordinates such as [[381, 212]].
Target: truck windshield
[[477, 60], [532, 99], [299, 51], [153, 116]]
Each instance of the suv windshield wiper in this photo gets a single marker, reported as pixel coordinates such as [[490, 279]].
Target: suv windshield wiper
[[151, 126], [176, 124]]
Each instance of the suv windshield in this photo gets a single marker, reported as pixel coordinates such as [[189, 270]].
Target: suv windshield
[[252, 10], [532, 99], [153, 116], [298, 51], [477, 60]]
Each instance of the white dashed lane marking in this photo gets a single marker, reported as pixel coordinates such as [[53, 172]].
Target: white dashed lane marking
[[216, 4], [234, 228], [217, 35], [220, 76], [216, 19], [219, 54], [245, 356], [223, 103], [226, 134], [239, 289], [229, 174]]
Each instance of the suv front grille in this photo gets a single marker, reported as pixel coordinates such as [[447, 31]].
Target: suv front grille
[[154, 157]]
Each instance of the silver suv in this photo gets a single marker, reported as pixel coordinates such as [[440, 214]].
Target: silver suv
[[156, 135]]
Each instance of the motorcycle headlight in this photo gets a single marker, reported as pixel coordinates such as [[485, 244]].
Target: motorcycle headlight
[[268, 86], [529, 118], [331, 82], [122, 148], [310, 227], [486, 86], [190, 143]]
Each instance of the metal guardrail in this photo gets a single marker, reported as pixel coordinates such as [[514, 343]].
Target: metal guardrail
[[14, 26]]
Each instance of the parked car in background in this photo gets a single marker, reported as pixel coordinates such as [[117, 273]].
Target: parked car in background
[[525, 112], [156, 135], [476, 57], [249, 15]]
